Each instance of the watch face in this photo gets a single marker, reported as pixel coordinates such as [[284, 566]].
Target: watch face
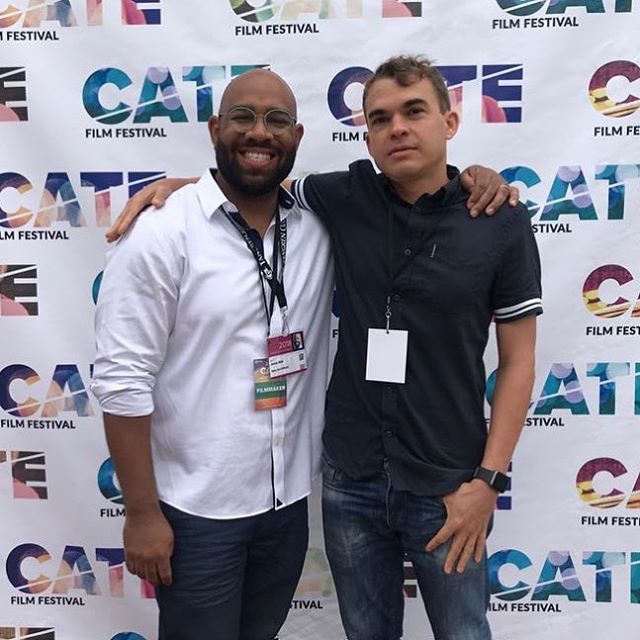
[[500, 482]]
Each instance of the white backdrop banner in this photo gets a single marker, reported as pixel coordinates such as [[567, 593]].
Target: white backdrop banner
[[97, 98]]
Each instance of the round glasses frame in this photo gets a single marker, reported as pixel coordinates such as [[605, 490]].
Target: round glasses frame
[[243, 120]]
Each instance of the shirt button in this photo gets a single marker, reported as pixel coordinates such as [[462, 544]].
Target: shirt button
[[389, 390], [388, 433], [396, 296], [407, 252]]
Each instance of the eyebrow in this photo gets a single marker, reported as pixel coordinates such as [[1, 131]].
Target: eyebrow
[[406, 105]]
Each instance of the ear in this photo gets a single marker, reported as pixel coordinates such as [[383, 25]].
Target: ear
[[453, 122], [214, 126], [298, 132]]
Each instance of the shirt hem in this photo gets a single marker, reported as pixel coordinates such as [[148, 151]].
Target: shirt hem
[[260, 511]]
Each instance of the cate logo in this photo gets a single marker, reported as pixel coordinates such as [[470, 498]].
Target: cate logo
[[28, 476], [49, 207], [505, 499], [110, 489], [605, 389], [66, 393], [27, 633], [18, 290], [37, 20], [264, 11], [153, 97], [345, 103], [614, 91], [95, 287], [32, 569], [600, 294], [563, 577], [13, 94], [605, 483], [554, 13], [128, 635], [560, 7], [575, 193], [500, 102]]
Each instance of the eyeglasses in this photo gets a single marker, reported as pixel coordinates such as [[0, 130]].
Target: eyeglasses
[[243, 119]]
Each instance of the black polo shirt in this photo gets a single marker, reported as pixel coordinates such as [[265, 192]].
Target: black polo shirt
[[451, 275]]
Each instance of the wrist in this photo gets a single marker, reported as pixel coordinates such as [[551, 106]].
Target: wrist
[[493, 478], [143, 510]]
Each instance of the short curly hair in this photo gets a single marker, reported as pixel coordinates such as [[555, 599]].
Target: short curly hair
[[406, 70]]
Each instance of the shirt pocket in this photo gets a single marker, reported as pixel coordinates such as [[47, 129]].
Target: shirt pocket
[[454, 277]]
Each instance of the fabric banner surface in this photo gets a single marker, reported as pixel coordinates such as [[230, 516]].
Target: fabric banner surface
[[99, 98]]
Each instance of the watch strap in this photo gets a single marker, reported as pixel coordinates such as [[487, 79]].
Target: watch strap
[[495, 479]]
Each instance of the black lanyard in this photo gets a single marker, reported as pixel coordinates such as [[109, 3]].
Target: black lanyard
[[266, 271]]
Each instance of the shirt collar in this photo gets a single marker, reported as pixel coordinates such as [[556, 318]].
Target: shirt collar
[[212, 198], [447, 194]]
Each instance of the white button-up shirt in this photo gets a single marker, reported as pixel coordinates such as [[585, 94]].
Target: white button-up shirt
[[180, 320]]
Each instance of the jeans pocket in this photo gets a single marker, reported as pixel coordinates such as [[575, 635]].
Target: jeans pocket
[[331, 474]]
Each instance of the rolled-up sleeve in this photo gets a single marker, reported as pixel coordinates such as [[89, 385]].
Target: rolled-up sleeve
[[135, 315]]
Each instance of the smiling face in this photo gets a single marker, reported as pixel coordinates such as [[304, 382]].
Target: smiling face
[[408, 131], [255, 162]]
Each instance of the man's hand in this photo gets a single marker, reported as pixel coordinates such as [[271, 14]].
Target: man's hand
[[488, 190], [148, 545], [469, 509], [155, 194]]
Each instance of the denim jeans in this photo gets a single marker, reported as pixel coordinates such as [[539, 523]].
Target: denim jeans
[[369, 528], [232, 579]]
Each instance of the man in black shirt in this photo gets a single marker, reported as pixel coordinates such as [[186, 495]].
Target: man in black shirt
[[408, 466]]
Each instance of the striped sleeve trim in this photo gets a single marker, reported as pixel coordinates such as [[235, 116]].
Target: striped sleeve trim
[[298, 194], [533, 305]]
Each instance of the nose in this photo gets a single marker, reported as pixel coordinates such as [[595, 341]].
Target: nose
[[259, 130], [398, 125]]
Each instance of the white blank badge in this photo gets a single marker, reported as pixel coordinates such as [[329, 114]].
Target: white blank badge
[[387, 355]]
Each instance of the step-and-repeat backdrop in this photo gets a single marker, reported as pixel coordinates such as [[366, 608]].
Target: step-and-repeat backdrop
[[99, 98]]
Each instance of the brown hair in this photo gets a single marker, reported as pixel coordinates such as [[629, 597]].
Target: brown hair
[[406, 70]]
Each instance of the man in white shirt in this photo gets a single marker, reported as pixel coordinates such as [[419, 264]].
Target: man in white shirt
[[214, 456]]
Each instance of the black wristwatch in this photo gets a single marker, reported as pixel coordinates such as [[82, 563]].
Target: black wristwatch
[[495, 479]]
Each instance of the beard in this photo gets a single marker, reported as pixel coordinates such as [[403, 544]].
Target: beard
[[254, 184]]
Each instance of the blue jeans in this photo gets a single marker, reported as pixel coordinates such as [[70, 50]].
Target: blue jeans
[[232, 579], [369, 527]]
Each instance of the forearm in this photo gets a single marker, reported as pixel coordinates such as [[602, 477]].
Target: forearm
[[470, 506], [147, 536], [510, 402], [129, 441]]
